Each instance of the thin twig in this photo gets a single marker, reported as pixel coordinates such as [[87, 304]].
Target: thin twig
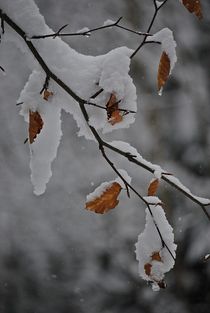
[[19, 103], [90, 31], [38, 57], [157, 8], [60, 29], [104, 108], [133, 159], [2, 25], [97, 93], [46, 84]]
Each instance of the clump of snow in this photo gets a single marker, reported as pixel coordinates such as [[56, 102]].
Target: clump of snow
[[99, 191], [83, 30], [44, 148], [152, 200], [126, 147], [159, 3], [178, 183], [108, 22], [114, 79], [104, 186], [158, 171], [149, 245], [126, 177], [24, 12], [168, 44]]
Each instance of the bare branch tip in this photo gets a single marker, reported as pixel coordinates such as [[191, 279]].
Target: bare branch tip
[[119, 19]]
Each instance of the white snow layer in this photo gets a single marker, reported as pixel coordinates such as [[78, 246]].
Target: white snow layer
[[44, 148], [149, 243], [108, 22], [104, 186], [126, 147], [159, 3], [168, 44], [85, 75], [158, 171]]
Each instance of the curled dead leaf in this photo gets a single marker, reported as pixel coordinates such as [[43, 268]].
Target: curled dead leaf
[[47, 94], [153, 187], [106, 201], [156, 257], [35, 125], [114, 115], [148, 268], [163, 70], [193, 6]]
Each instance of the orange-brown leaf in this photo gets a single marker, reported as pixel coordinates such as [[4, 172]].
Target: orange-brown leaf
[[148, 268], [153, 187], [35, 125], [47, 94], [115, 118], [156, 257], [193, 6], [113, 113], [107, 201], [163, 70]]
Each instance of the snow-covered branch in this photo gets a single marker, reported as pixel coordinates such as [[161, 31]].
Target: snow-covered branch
[[61, 78]]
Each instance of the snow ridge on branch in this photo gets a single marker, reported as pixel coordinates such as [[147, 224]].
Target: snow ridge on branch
[[100, 94]]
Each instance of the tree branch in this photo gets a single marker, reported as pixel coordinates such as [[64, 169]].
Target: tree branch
[[104, 108], [81, 102], [157, 8], [89, 31], [102, 144]]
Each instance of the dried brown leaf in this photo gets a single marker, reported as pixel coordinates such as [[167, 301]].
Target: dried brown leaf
[[148, 268], [193, 6], [156, 257], [113, 113], [107, 201], [116, 117], [47, 94], [35, 125], [153, 187], [163, 70]]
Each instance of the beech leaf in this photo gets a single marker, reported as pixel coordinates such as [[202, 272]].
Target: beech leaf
[[113, 113], [35, 125], [163, 70], [147, 268], [156, 257], [106, 201], [153, 186], [193, 6], [47, 94]]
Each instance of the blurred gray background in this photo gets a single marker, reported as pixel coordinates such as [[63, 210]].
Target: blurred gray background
[[57, 257]]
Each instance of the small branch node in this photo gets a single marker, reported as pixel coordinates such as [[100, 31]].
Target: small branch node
[[60, 29]]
